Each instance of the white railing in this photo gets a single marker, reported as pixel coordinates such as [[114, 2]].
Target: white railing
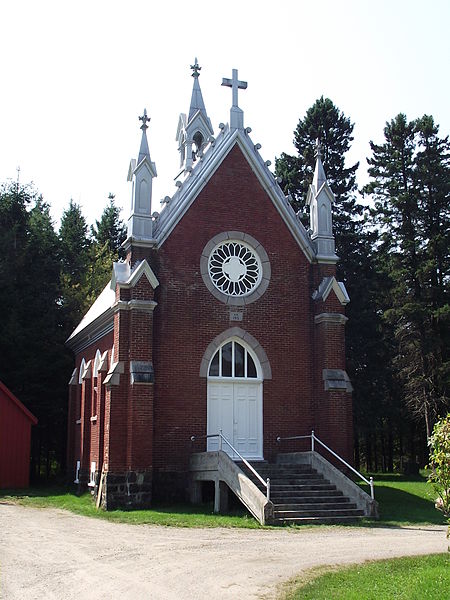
[[314, 438], [222, 439]]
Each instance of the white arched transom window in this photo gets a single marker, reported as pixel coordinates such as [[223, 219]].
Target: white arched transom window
[[233, 359]]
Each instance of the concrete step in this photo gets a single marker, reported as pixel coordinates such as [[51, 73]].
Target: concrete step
[[286, 476], [295, 514], [316, 520], [278, 487], [292, 498], [306, 493], [338, 506], [295, 481]]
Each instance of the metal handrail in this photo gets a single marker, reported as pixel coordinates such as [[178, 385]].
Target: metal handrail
[[222, 439], [315, 438]]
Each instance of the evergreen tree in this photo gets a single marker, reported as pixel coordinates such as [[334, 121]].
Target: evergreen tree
[[110, 230], [108, 236], [48, 362], [14, 201], [354, 244], [74, 248], [334, 130], [35, 364], [410, 187]]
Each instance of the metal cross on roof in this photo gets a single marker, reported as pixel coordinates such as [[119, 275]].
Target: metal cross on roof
[[196, 68], [235, 85], [145, 119]]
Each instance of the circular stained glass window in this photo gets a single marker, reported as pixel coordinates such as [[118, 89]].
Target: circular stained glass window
[[234, 268]]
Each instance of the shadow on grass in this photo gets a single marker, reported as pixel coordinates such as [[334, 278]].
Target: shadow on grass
[[38, 491], [403, 506]]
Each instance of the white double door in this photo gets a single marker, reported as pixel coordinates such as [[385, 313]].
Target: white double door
[[236, 409]]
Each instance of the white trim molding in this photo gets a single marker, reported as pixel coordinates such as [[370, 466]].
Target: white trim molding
[[114, 373], [334, 318], [144, 305]]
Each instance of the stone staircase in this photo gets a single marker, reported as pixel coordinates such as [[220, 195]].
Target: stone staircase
[[301, 495]]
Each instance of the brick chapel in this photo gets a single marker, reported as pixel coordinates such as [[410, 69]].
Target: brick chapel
[[225, 315]]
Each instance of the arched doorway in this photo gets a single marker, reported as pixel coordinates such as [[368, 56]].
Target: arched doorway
[[235, 399]]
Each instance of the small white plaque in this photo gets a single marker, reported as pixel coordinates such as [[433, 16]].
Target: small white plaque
[[236, 315]]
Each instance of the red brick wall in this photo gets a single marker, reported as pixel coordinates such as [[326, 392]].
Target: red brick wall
[[85, 438], [188, 317]]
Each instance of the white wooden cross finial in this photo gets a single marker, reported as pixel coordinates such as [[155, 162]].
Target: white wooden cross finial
[[235, 85]]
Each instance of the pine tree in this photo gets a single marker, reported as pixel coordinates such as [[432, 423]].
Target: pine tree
[[35, 364], [108, 236], [74, 249], [354, 245], [48, 362], [14, 202], [410, 187], [110, 229], [325, 122]]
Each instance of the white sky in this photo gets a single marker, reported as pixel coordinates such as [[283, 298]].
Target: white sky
[[76, 76]]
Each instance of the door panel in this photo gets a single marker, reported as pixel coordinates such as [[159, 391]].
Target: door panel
[[237, 410], [220, 413]]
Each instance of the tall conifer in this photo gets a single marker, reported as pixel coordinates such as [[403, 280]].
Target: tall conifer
[[410, 188]]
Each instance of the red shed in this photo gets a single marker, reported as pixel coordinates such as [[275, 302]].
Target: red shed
[[15, 433]]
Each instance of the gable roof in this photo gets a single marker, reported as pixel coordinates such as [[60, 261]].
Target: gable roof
[[202, 173], [18, 403]]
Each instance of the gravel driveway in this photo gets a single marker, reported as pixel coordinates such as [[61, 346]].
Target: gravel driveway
[[53, 554]]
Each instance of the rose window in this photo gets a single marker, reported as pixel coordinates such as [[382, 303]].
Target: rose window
[[234, 268]]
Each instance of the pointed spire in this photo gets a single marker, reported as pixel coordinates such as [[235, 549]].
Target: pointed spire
[[195, 131], [197, 103], [320, 199], [141, 174], [143, 150], [319, 174]]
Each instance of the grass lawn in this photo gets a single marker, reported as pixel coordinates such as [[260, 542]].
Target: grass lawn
[[403, 500], [415, 578], [180, 515]]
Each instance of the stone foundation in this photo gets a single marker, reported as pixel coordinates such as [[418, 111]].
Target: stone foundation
[[132, 489]]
